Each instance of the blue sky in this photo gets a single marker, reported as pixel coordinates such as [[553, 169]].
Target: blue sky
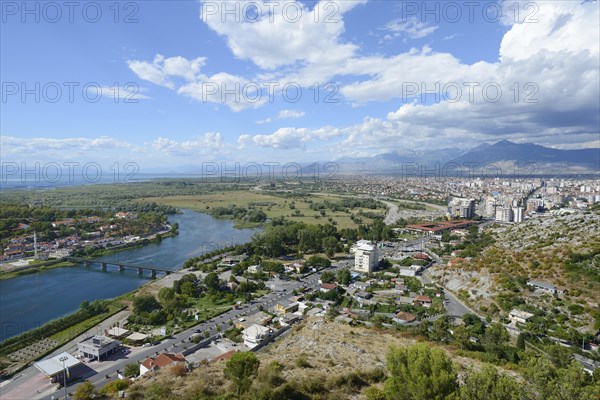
[[370, 56]]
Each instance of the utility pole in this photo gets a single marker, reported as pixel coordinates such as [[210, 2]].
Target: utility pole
[[63, 359]]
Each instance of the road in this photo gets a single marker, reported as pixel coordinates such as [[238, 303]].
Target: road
[[107, 371]]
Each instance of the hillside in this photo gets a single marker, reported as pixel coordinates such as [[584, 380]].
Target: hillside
[[561, 249]]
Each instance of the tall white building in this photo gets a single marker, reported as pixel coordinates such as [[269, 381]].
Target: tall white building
[[366, 257], [517, 214], [504, 214], [461, 208]]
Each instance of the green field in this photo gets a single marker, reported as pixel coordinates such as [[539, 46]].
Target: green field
[[273, 206]]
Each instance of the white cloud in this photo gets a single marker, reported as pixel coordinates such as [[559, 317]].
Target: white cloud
[[292, 138], [290, 114], [412, 27], [279, 38], [200, 145]]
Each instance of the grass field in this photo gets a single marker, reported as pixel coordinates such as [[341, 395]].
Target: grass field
[[273, 206]]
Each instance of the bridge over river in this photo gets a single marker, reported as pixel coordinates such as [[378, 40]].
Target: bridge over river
[[121, 266]]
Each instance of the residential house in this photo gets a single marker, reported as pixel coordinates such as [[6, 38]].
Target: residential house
[[543, 286], [161, 361], [327, 287], [423, 300], [404, 317], [519, 316], [255, 269], [285, 307], [254, 335]]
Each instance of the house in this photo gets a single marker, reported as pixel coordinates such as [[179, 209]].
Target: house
[[360, 285], [543, 286], [255, 335], [326, 287], [163, 360], [255, 269], [286, 307], [233, 260], [422, 257], [413, 270], [404, 317], [97, 347], [366, 257], [363, 295], [64, 222], [518, 316], [423, 300], [295, 267]]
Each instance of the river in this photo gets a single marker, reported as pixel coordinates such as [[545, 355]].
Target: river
[[29, 301]]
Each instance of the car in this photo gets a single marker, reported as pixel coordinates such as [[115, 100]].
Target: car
[[198, 331], [146, 345]]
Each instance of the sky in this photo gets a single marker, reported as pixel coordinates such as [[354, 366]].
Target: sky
[[165, 84]]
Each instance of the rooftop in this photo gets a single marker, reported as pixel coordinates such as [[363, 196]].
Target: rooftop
[[54, 365]]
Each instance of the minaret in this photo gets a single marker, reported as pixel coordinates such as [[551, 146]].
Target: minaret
[[35, 245]]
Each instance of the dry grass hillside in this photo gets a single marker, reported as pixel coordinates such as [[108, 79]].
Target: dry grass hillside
[[330, 360], [563, 250]]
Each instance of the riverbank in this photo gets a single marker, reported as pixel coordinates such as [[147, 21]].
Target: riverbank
[[37, 266], [34, 268]]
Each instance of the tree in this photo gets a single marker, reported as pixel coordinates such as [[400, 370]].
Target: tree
[[521, 341], [419, 372], [85, 391], [188, 289], [330, 246], [439, 329], [490, 385], [495, 338], [343, 276], [462, 336], [327, 277], [212, 281], [318, 261], [166, 295], [145, 303], [241, 369], [132, 369]]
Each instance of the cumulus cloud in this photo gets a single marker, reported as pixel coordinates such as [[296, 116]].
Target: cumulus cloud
[[412, 27], [283, 114]]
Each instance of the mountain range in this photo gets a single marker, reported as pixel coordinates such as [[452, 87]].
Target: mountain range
[[503, 155]]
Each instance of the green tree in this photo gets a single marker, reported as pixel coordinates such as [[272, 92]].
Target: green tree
[[490, 385], [495, 339], [343, 276], [330, 246], [439, 329], [521, 341], [132, 369], [327, 277], [419, 372], [166, 295], [461, 335], [241, 369], [212, 281], [145, 303], [188, 289], [85, 391]]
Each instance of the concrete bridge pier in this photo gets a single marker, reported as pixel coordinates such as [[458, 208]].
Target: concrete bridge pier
[[153, 274], [103, 266], [121, 268], [140, 271]]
